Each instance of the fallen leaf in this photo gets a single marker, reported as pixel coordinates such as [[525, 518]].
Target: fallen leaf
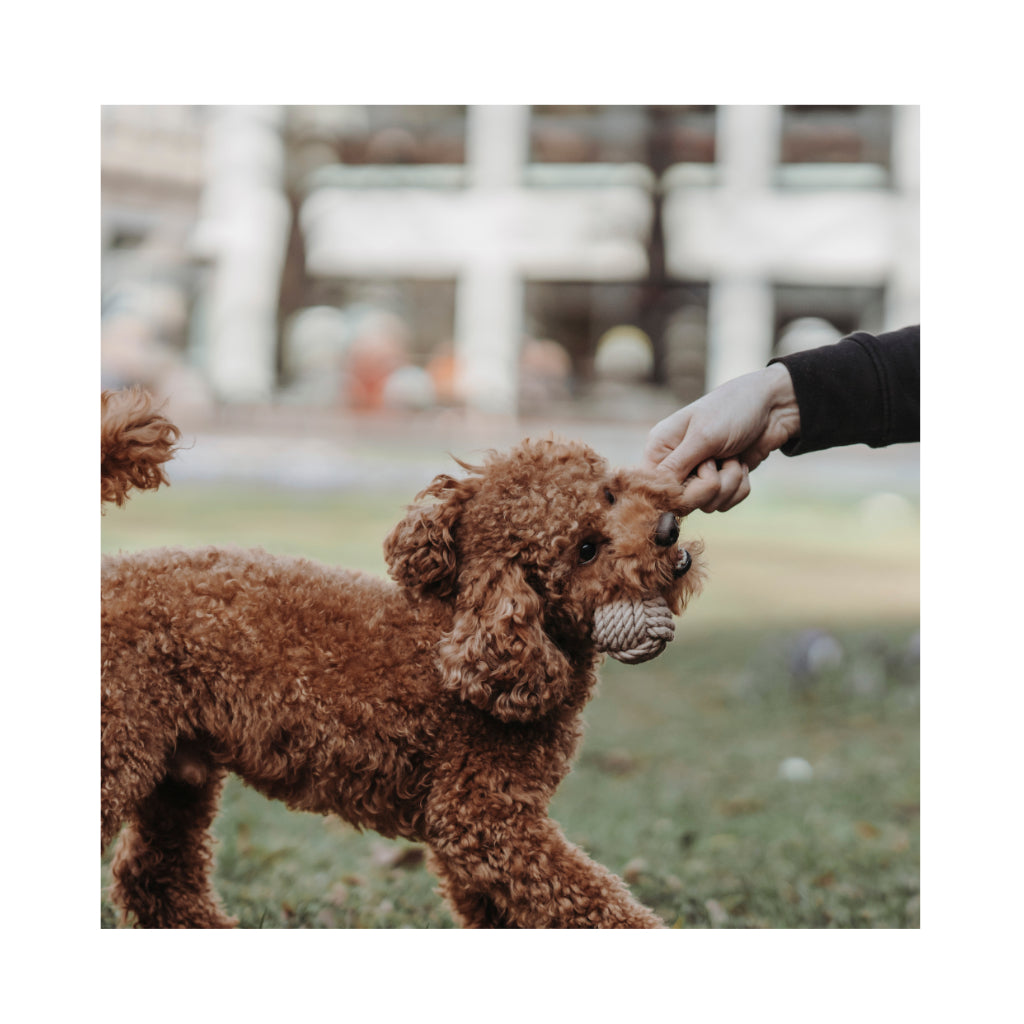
[[866, 830]]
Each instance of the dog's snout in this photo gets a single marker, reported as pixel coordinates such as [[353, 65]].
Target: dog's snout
[[668, 531]]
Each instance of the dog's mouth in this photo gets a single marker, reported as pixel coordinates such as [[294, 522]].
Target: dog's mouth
[[682, 566]]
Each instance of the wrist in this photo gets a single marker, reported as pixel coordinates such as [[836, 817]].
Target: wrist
[[784, 412]]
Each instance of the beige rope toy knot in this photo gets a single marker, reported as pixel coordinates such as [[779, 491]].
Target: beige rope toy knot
[[634, 631]]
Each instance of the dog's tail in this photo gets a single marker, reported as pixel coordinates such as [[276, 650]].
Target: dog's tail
[[135, 442]]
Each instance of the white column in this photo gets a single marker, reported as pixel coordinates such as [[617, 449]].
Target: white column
[[497, 145], [747, 146], [906, 149], [488, 315], [903, 297], [244, 231], [740, 318], [740, 305], [489, 295]]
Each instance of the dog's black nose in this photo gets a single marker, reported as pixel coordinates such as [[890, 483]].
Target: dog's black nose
[[668, 531]]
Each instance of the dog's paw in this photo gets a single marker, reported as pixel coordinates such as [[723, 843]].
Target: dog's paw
[[634, 631]]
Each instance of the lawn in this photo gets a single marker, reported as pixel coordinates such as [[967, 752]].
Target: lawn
[[763, 772]]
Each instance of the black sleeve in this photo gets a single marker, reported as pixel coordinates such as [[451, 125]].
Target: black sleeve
[[861, 390]]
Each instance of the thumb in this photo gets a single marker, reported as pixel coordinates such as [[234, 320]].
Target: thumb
[[683, 460], [666, 439]]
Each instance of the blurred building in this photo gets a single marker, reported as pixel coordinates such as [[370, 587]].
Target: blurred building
[[151, 184], [501, 257]]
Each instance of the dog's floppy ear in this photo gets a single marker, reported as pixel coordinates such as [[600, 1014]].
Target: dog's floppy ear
[[497, 654], [420, 550]]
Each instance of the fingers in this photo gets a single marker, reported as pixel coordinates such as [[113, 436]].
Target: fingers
[[702, 488], [718, 489], [735, 477]]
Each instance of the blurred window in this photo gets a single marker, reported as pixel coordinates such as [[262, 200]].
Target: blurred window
[[427, 306], [622, 134], [383, 135], [844, 308], [578, 314], [837, 145]]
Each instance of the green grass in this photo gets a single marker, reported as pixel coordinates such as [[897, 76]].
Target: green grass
[[677, 786], [346, 528]]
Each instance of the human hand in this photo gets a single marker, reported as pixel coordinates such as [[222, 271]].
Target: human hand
[[717, 440]]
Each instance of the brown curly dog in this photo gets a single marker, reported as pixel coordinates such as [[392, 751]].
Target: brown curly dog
[[443, 707]]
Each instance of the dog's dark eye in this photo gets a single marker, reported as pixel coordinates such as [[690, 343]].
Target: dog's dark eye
[[609, 497], [588, 552]]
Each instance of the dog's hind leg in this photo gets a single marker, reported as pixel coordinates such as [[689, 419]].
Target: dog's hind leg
[[163, 863], [131, 768]]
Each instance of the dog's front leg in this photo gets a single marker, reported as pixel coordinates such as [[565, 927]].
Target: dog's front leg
[[523, 873], [471, 908]]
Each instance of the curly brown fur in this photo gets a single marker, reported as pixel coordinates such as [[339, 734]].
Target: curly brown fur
[[443, 707], [135, 441]]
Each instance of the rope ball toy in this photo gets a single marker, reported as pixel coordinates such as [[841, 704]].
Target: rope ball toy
[[634, 631]]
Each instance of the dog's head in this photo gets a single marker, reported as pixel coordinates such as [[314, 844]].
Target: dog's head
[[530, 547]]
